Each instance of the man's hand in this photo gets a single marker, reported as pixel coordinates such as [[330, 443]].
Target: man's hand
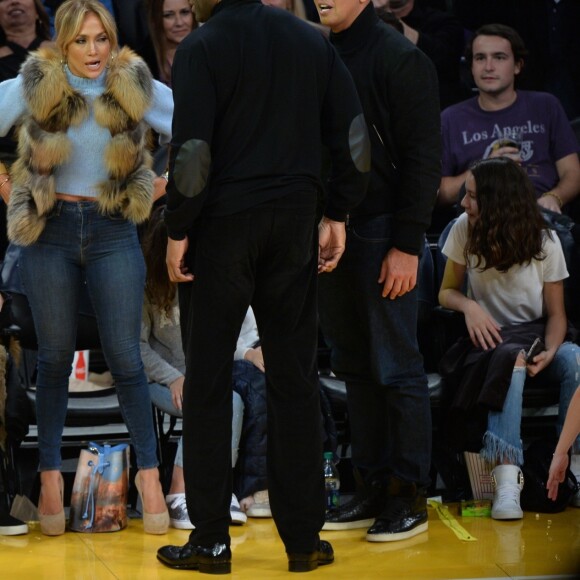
[[175, 260], [508, 151], [331, 244], [398, 273]]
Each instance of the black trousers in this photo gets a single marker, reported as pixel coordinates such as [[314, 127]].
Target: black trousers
[[266, 257]]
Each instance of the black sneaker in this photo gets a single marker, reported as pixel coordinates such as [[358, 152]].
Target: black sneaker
[[404, 516], [360, 511], [10, 526]]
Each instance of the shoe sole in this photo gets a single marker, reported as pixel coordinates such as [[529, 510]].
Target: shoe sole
[[355, 525], [180, 525], [259, 513], [398, 536], [15, 530], [306, 565], [507, 516], [219, 568]]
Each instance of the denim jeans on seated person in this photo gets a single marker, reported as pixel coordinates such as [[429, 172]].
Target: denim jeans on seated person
[[502, 440], [161, 398], [373, 342], [79, 244]]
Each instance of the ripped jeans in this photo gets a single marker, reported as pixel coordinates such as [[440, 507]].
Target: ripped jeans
[[502, 440]]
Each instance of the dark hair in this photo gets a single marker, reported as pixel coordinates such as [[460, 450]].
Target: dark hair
[[510, 227], [42, 24], [518, 47], [159, 289], [388, 17]]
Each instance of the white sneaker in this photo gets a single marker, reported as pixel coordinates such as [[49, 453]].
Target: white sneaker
[[236, 513], [508, 482], [261, 506], [177, 508]]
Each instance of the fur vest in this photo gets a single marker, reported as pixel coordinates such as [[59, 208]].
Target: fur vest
[[43, 144]]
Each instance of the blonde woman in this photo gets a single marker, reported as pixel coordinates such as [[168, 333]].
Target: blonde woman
[[78, 189]]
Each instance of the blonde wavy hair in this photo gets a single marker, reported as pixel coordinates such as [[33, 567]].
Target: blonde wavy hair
[[70, 17]]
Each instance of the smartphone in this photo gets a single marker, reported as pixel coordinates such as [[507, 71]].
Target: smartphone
[[536, 348]]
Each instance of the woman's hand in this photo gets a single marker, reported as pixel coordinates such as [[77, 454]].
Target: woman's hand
[[255, 356], [159, 185], [176, 388], [556, 474], [483, 330]]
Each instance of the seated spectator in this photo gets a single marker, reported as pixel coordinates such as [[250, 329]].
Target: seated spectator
[[298, 8], [568, 439], [164, 360], [439, 35], [21, 31], [170, 21], [294, 6], [514, 268], [550, 30], [529, 127]]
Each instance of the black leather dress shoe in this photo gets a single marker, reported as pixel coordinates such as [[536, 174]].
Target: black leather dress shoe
[[307, 562], [216, 559]]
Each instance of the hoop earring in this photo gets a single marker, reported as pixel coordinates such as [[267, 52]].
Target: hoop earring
[[111, 61]]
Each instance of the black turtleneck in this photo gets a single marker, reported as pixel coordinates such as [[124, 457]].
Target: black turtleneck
[[397, 85]]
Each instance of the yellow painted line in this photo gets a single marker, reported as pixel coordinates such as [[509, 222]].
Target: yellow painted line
[[446, 517]]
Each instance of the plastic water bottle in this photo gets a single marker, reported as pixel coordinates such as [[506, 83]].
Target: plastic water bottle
[[331, 481]]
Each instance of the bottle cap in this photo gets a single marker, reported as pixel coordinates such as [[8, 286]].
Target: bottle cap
[[328, 455]]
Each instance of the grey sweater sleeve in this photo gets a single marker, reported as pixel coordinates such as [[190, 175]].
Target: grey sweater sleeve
[[157, 369]]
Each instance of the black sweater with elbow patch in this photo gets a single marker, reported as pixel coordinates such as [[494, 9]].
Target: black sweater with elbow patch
[[257, 93]]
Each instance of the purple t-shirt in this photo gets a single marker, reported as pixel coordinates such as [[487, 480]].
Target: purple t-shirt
[[469, 133]]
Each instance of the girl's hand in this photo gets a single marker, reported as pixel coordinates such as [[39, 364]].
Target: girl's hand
[[556, 474], [483, 330], [255, 356], [176, 388], [540, 362]]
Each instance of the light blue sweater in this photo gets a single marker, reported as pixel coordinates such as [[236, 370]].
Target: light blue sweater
[[86, 167]]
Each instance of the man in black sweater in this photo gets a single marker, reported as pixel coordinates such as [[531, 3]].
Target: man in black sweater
[[368, 305], [256, 94]]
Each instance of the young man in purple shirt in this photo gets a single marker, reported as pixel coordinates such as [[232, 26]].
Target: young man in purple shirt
[[529, 127]]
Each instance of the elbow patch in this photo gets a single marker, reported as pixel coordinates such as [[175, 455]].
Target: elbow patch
[[359, 143], [191, 168]]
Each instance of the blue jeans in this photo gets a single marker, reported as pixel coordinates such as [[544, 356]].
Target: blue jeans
[[373, 342], [77, 246], [161, 398], [502, 439]]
